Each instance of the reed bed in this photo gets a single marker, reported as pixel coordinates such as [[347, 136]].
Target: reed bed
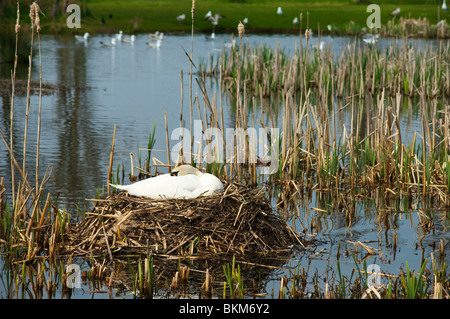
[[316, 150], [359, 69], [415, 28]]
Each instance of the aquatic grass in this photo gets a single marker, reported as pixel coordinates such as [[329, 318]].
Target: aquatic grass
[[234, 280], [415, 287]]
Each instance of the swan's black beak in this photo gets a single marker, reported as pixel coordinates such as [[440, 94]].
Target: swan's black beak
[[174, 173]]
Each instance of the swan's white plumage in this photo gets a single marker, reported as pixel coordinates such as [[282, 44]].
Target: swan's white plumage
[[190, 183]]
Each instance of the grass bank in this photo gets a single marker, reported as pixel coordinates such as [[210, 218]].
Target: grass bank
[[345, 16]]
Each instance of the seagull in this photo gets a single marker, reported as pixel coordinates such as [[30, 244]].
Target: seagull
[[320, 46], [295, 21], [245, 20], [83, 38], [370, 39], [129, 39], [279, 11], [153, 35], [155, 45], [181, 18], [208, 15], [210, 37], [119, 36], [184, 181], [231, 44], [396, 12], [109, 44], [156, 36], [215, 20], [444, 6]]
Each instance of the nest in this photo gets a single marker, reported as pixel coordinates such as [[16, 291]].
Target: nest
[[239, 221]]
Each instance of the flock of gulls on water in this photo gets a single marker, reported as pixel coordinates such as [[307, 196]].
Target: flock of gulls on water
[[157, 37]]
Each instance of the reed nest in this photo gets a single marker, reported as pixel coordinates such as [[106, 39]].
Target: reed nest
[[240, 221]]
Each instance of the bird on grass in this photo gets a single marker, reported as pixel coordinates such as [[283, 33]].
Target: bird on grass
[[280, 11], [83, 38], [396, 12], [295, 21], [444, 6], [181, 18], [183, 182]]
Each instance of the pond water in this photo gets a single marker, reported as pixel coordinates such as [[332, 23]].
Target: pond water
[[132, 86]]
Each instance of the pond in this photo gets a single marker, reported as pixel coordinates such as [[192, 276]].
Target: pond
[[133, 86]]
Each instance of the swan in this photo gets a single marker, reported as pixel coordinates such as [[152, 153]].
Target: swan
[[185, 181]]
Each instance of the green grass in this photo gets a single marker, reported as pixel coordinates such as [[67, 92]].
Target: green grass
[[146, 16]]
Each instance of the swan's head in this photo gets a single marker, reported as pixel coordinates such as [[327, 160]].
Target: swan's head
[[185, 170]]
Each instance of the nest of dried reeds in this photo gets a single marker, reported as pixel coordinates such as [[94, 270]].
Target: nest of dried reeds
[[239, 221]]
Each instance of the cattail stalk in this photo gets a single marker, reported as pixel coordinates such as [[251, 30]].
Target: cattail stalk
[[11, 145]]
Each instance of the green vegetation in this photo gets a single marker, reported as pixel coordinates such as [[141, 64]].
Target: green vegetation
[[145, 16]]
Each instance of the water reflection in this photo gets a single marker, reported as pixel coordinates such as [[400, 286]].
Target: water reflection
[[77, 165]]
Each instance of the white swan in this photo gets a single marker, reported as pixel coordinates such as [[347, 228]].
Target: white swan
[[184, 181]]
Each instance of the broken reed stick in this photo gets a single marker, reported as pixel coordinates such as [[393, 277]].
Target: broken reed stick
[[111, 158], [167, 138]]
